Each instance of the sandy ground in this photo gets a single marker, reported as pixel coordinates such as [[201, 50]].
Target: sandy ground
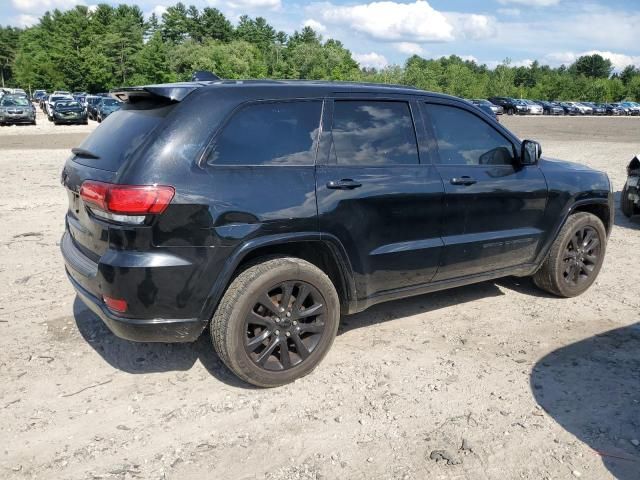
[[503, 381]]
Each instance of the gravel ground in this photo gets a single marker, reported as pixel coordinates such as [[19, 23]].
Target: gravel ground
[[491, 381]]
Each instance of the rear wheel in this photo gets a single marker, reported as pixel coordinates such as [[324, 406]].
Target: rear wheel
[[276, 321], [510, 111], [575, 258], [626, 205]]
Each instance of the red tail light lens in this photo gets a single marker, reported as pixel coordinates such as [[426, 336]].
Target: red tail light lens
[[127, 199], [115, 304]]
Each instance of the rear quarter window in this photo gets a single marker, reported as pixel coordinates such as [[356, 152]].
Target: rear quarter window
[[121, 135], [269, 133]]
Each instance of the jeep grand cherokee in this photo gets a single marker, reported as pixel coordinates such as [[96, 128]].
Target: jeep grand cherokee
[[263, 210]]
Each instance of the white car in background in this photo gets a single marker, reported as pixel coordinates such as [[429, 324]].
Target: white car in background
[[53, 98], [533, 107], [583, 109]]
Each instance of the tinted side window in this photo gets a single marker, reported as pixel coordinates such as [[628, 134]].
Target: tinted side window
[[283, 133], [374, 133], [465, 139]]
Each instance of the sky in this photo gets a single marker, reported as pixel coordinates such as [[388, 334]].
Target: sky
[[380, 33]]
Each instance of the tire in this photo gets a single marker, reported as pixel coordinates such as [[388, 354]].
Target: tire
[[511, 111], [557, 275], [245, 301], [626, 205]]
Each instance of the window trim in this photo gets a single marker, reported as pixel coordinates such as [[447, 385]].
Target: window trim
[[203, 160], [432, 138], [330, 144]]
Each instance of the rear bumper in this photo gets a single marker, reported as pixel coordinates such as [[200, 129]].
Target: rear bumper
[[82, 274], [157, 330]]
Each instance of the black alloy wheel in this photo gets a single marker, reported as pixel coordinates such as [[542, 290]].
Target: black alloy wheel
[[285, 325], [582, 255]]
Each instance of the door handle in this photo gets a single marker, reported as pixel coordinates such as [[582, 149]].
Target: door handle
[[344, 184], [464, 180]]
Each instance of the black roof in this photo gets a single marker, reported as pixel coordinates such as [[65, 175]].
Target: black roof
[[178, 91]]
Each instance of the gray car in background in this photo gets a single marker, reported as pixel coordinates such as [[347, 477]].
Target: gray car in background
[[16, 109]]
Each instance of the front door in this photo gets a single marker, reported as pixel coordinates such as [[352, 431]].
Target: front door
[[376, 197], [494, 207]]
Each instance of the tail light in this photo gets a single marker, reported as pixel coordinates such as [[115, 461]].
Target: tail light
[[126, 202], [116, 304]]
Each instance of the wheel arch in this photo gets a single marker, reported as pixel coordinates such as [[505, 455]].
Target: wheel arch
[[324, 251], [600, 207]]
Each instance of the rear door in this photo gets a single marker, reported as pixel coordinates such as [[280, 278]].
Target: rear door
[[377, 192], [493, 207]]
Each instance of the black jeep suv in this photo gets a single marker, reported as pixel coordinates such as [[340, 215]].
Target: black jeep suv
[[266, 209]]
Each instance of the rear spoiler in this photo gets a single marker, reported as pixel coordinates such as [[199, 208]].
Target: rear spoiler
[[173, 92]]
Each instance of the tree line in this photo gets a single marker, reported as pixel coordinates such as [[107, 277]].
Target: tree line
[[97, 49]]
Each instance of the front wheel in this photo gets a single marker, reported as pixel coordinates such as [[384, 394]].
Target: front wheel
[[511, 111], [276, 321], [575, 258]]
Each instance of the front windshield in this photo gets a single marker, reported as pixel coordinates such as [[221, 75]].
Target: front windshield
[[15, 102], [67, 103]]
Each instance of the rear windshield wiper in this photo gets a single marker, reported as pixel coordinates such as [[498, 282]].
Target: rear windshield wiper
[[81, 152]]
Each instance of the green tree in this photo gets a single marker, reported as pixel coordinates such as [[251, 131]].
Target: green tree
[[594, 66], [213, 24]]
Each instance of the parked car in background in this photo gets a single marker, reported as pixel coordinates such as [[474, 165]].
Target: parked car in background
[[106, 107], [582, 108], [632, 108], [496, 109], [61, 92], [16, 109], [596, 108], [550, 108], [630, 195], [37, 95], [92, 102], [486, 109], [69, 111], [533, 107], [614, 109], [173, 226], [51, 100], [569, 108], [510, 105]]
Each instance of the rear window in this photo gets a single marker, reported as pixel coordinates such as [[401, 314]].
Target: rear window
[[124, 132]]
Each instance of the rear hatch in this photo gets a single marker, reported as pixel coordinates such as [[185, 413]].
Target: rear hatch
[[103, 156]]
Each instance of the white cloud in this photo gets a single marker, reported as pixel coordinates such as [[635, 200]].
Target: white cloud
[[372, 59], [472, 26], [409, 48], [255, 4], [619, 60], [531, 3], [24, 20], [391, 21], [469, 58], [32, 6], [416, 22], [317, 26], [158, 10]]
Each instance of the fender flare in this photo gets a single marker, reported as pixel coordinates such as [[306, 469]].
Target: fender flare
[[239, 254], [544, 251]]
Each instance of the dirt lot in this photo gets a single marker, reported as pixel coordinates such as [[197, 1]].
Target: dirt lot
[[509, 383]]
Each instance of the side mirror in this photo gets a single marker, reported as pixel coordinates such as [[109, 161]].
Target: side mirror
[[530, 152]]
